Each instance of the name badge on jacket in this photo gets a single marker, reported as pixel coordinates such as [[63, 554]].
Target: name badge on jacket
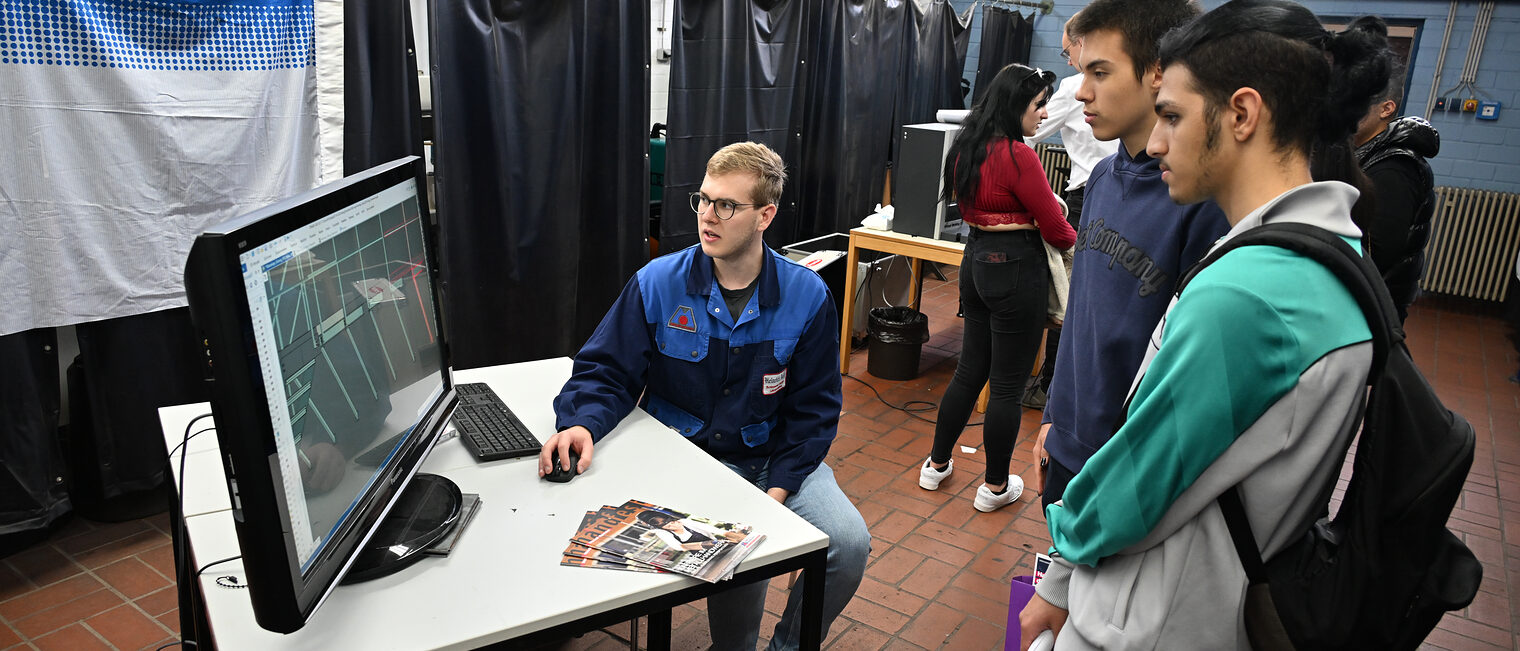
[[773, 383]]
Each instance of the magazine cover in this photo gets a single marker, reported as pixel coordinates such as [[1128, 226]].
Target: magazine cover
[[669, 539], [583, 556]]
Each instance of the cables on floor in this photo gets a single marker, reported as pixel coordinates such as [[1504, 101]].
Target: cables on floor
[[912, 407]]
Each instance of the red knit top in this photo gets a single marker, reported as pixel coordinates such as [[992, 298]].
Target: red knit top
[[1013, 189]]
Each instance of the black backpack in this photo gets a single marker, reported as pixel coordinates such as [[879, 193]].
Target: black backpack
[[1385, 569]]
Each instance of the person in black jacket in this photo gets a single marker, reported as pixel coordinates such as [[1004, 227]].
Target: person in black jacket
[[1392, 151]]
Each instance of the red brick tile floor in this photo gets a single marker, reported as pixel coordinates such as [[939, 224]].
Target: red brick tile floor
[[939, 569]]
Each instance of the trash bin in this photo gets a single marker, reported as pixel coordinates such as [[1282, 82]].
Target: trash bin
[[897, 336]]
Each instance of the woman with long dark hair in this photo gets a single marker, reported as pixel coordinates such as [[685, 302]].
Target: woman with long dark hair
[[1004, 277]]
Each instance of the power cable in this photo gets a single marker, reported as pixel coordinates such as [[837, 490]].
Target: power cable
[[912, 407]]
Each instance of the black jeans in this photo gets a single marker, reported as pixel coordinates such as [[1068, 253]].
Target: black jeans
[[1004, 283]]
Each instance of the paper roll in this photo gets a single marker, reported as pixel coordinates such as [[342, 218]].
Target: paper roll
[[952, 116]]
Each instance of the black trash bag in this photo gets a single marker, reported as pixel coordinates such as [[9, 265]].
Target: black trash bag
[[896, 336], [899, 325]]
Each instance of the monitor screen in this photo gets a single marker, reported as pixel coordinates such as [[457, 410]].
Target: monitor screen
[[329, 382]]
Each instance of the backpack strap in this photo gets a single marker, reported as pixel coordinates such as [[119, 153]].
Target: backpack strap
[[1240, 532], [1354, 271], [1364, 282]]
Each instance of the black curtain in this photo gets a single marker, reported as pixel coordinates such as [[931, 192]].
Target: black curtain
[[932, 79], [382, 107], [820, 81], [848, 120], [541, 114], [736, 73], [1006, 38], [31, 495], [127, 368], [933, 59]]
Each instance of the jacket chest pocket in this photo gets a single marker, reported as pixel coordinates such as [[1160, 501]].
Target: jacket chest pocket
[[681, 344], [770, 378]]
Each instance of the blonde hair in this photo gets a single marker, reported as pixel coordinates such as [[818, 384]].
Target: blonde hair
[[755, 159]]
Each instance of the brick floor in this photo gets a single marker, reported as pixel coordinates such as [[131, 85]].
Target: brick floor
[[939, 569]]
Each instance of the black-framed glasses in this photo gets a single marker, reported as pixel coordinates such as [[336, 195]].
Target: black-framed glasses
[[1065, 55], [724, 208]]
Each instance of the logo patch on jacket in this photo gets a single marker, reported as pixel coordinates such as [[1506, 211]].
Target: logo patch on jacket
[[772, 383], [682, 319]]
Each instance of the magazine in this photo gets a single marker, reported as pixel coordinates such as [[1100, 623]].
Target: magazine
[[582, 556], [643, 533]]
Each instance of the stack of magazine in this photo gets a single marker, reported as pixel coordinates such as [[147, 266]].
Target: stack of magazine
[[641, 537]]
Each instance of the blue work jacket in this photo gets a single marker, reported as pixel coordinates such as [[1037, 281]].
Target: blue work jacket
[[759, 390]]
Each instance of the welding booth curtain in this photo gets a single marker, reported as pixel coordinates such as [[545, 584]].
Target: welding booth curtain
[[156, 121], [382, 105], [541, 125], [1006, 38], [935, 57], [160, 158], [822, 82]]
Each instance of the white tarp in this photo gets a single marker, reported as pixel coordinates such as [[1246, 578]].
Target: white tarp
[[128, 127]]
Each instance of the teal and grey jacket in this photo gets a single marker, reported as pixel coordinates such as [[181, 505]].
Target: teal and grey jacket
[[1254, 375]]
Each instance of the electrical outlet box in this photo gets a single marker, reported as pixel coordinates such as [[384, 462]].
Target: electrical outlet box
[[1488, 110], [1440, 103], [1469, 105]]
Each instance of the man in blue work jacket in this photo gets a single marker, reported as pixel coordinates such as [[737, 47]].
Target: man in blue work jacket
[[736, 348]]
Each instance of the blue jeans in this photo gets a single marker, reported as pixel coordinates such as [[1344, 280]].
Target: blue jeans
[[733, 616]]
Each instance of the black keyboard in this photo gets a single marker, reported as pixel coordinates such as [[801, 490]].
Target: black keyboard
[[488, 428]]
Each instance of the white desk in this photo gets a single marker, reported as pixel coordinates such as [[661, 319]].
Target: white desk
[[503, 582]]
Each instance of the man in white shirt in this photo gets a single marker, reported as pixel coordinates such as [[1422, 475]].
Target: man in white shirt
[[1085, 151]]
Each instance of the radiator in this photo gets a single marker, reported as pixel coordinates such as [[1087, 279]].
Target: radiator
[[1057, 165], [1474, 239]]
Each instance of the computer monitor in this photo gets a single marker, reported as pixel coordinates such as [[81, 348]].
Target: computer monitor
[[329, 381]]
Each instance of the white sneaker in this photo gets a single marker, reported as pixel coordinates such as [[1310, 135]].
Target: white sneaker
[[988, 501], [929, 478]]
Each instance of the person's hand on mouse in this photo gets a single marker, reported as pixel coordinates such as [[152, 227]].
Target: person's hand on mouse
[[575, 438]]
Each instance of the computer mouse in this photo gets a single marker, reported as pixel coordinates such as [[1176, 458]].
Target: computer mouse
[[559, 474]]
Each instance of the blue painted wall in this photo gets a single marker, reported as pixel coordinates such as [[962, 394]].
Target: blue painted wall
[[1474, 153]]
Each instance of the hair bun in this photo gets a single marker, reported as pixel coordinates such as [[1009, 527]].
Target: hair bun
[[1360, 64]]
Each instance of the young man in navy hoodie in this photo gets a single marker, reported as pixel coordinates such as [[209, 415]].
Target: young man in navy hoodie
[[1133, 243]]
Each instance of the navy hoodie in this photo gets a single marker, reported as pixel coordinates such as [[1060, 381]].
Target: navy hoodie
[[1133, 244]]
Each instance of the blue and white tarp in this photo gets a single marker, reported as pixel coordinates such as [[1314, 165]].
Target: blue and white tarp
[[127, 127]]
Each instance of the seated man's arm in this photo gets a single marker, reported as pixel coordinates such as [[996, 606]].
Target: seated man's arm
[[809, 413], [605, 382]]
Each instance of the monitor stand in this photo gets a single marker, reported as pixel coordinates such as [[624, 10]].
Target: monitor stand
[[428, 509]]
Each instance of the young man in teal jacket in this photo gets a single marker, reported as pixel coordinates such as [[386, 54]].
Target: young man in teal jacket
[[1256, 373]]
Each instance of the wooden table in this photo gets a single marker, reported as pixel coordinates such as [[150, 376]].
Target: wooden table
[[916, 249]]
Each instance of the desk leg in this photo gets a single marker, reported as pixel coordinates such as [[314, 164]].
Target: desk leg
[[847, 319], [916, 281], [659, 631], [812, 599]]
